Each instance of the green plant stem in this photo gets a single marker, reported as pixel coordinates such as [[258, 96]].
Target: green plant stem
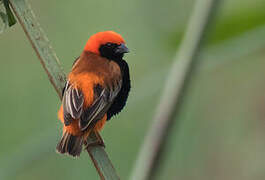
[[40, 44], [178, 79], [50, 63]]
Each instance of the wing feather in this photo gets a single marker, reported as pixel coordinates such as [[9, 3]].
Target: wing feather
[[73, 101]]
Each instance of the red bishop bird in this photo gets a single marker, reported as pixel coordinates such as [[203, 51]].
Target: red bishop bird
[[97, 88]]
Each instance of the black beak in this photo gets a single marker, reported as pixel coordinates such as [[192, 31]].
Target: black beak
[[122, 49]]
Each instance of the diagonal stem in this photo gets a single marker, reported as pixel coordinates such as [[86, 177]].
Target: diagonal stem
[[51, 64], [178, 79]]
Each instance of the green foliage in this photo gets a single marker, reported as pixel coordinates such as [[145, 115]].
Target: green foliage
[[11, 18]]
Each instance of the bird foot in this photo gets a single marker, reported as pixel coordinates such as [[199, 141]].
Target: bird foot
[[94, 140]]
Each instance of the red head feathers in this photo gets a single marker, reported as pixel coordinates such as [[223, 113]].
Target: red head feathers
[[101, 38]]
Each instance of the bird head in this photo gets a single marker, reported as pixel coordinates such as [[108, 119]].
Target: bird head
[[107, 44]]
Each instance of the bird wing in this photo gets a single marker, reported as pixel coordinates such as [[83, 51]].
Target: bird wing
[[73, 100], [103, 98]]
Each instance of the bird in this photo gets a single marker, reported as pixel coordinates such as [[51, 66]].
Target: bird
[[97, 89]]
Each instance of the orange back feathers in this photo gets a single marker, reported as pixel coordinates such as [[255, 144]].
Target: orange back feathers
[[101, 38]]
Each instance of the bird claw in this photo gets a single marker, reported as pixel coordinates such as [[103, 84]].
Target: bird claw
[[96, 141]]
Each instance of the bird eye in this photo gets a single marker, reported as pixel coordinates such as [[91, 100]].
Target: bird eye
[[108, 44]]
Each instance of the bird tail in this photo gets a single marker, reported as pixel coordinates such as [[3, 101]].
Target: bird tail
[[70, 144]]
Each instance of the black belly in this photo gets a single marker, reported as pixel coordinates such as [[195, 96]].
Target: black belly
[[120, 101]]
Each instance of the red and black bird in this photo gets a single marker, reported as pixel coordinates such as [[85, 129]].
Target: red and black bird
[[97, 88]]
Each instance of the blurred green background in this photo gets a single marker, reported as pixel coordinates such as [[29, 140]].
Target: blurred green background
[[220, 133]]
